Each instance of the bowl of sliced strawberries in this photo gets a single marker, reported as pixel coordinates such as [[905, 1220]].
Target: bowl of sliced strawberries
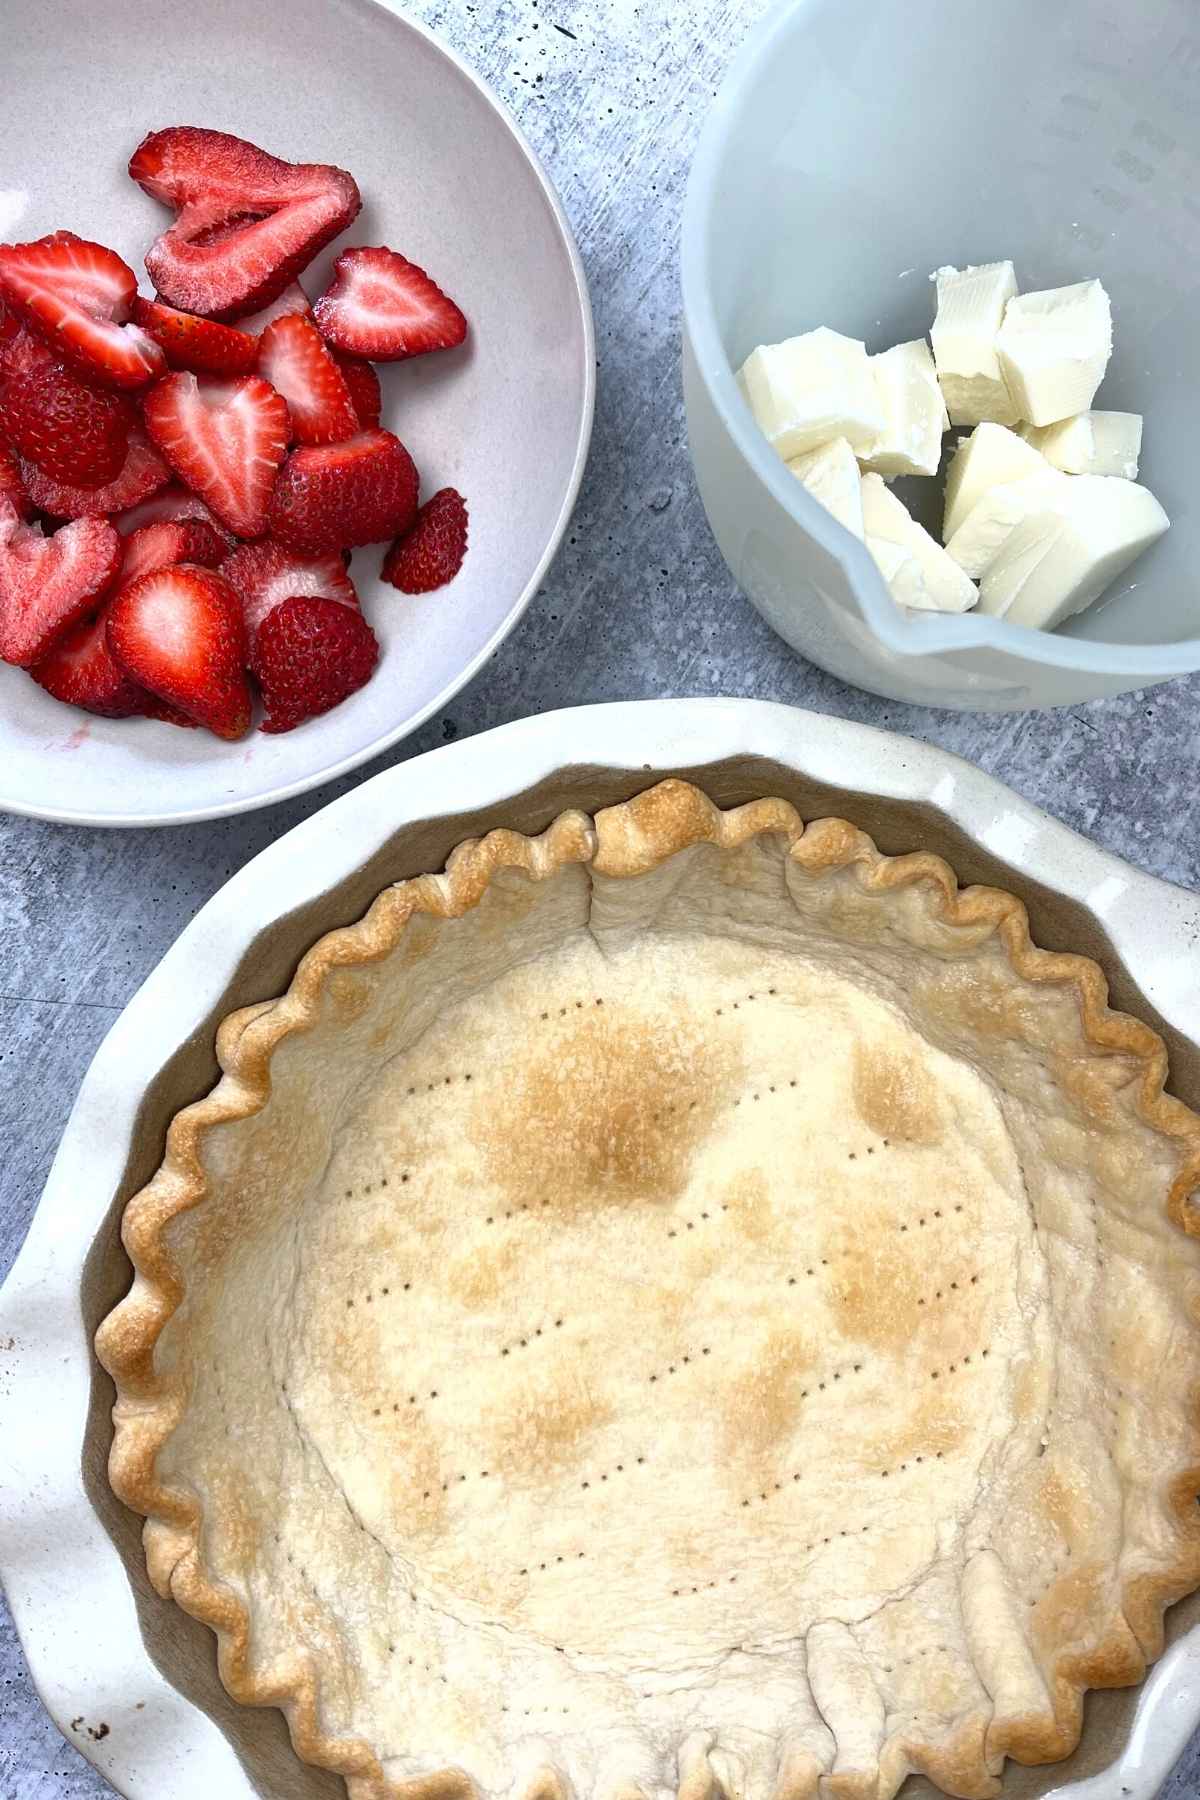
[[266, 507]]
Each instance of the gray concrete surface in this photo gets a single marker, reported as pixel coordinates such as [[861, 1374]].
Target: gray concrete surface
[[638, 604]]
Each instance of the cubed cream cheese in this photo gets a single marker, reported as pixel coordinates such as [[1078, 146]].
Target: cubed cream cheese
[[915, 412], [977, 542], [971, 304], [810, 389], [991, 455], [1054, 347], [831, 476], [1092, 443], [917, 570], [1057, 562]]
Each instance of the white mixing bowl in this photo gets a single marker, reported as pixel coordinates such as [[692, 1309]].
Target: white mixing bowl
[[853, 148]]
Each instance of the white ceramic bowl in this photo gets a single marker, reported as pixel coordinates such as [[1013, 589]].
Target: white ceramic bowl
[[129, 1679], [853, 147], [446, 178]]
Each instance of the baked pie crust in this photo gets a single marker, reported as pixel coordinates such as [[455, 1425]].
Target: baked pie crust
[[685, 1302]]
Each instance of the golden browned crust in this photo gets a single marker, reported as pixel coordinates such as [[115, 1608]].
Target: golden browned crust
[[625, 841]]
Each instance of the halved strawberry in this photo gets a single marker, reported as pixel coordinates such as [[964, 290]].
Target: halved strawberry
[[75, 433], [328, 496], [77, 293], [363, 383], [308, 656], [189, 342], [142, 473], [264, 575], [171, 541], [12, 488], [248, 222], [172, 502], [179, 632], [293, 358], [47, 584], [226, 439], [292, 300], [431, 551], [382, 306], [82, 671]]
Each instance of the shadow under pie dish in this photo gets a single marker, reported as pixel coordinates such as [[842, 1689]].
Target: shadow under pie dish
[[685, 1301]]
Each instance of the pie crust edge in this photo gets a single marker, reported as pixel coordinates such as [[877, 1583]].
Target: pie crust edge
[[625, 840]]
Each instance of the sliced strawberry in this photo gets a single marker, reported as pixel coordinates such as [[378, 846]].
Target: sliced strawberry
[[431, 551], [226, 439], [363, 383], [179, 632], [81, 671], [75, 433], [47, 584], [9, 324], [265, 574], [12, 488], [171, 541], [142, 473], [292, 300], [77, 293], [328, 496], [189, 342], [308, 656], [382, 306], [247, 223], [172, 502], [293, 358]]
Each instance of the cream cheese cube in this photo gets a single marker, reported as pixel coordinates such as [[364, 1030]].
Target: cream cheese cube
[[971, 304], [976, 543], [831, 476], [810, 389], [911, 440], [991, 455], [1054, 347], [1092, 443], [1057, 562], [917, 570]]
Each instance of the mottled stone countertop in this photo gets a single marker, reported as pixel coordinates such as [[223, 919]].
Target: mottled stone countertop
[[638, 604]]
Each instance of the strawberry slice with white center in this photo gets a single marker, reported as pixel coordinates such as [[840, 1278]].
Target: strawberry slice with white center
[[179, 632], [266, 574], [380, 305], [292, 300], [171, 541], [47, 584], [247, 223], [142, 473], [293, 358], [77, 294], [225, 439]]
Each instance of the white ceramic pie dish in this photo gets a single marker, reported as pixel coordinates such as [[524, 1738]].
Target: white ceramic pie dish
[[446, 177], [69, 1581]]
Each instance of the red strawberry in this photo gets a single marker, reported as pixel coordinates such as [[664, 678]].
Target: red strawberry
[[363, 383], [173, 502], [158, 546], [12, 488], [81, 671], [77, 293], [9, 324], [293, 358], [46, 584], [431, 551], [331, 495], [142, 473], [74, 433], [248, 222], [179, 632], [225, 439], [292, 300], [309, 655], [189, 342], [265, 574], [382, 306]]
